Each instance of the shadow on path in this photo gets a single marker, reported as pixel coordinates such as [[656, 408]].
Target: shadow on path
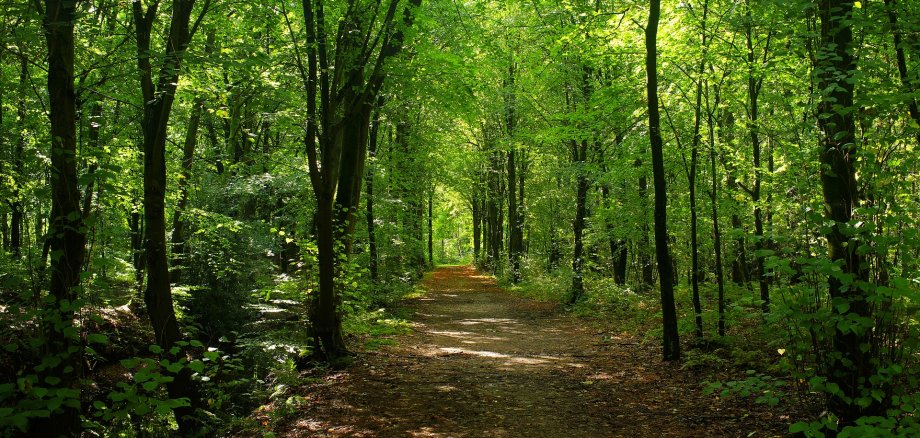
[[483, 363]]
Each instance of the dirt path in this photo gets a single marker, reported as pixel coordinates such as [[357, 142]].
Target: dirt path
[[483, 363]]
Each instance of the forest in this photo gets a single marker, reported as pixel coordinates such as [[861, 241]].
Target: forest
[[459, 218]]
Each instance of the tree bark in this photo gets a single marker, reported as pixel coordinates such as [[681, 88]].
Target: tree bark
[[753, 88], [694, 159], [579, 151], [340, 127], [178, 238], [851, 366], [372, 163], [714, 199], [66, 235], [645, 260], [17, 213], [670, 337], [158, 101], [431, 228], [515, 231]]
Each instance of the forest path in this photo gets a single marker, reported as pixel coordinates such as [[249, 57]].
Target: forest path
[[482, 362]]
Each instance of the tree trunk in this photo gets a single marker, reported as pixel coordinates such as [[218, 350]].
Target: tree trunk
[[851, 366], [694, 158], [369, 182], [477, 227], [67, 235], [158, 101], [341, 128], [138, 261], [430, 228], [4, 225], [515, 231], [188, 159], [494, 213], [17, 213], [753, 89], [578, 225], [645, 261], [714, 198], [670, 337]]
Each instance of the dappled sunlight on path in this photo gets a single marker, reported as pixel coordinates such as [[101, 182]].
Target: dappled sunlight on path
[[481, 362]]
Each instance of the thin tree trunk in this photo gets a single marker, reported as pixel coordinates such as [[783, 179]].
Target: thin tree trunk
[[4, 225], [17, 213], [431, 228], [578, 225], [369, 182], [178, 238], [714, 198], [477, 227], [515, 232], [645, 261], [754, 86], [670, 336], [694, 158]]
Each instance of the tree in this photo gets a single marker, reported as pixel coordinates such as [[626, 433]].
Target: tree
[[665, 273], [158, 103], [340, 100], [67, 232], [851, 365]]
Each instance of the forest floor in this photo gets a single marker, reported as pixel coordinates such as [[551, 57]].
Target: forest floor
[[483, 362]]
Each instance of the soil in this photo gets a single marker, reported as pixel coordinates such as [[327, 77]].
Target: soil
[[482, 362]]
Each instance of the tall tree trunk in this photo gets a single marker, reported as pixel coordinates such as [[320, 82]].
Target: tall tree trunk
[[694, 158], [4, 225], [645, 262], [477, 227], [754, 85], [522, 177], [665, 274], [66, 232], [494, 213], [138, 261], [158, 101], [851, 366], [431, 228], [369, 182], [515, 231], [95, 124], [178, 238], [17, 213], [188, 159], [714, 199], [340, 127], [579, 151]]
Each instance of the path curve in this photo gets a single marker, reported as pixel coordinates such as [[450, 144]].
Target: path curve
[[482, 362]]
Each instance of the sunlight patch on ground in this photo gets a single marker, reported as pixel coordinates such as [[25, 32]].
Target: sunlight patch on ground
[[528, 361], [425, 432], [465, 337], [451, 350], [476, 321]]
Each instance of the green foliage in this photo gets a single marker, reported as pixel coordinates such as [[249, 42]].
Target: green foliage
[[766, 389]]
